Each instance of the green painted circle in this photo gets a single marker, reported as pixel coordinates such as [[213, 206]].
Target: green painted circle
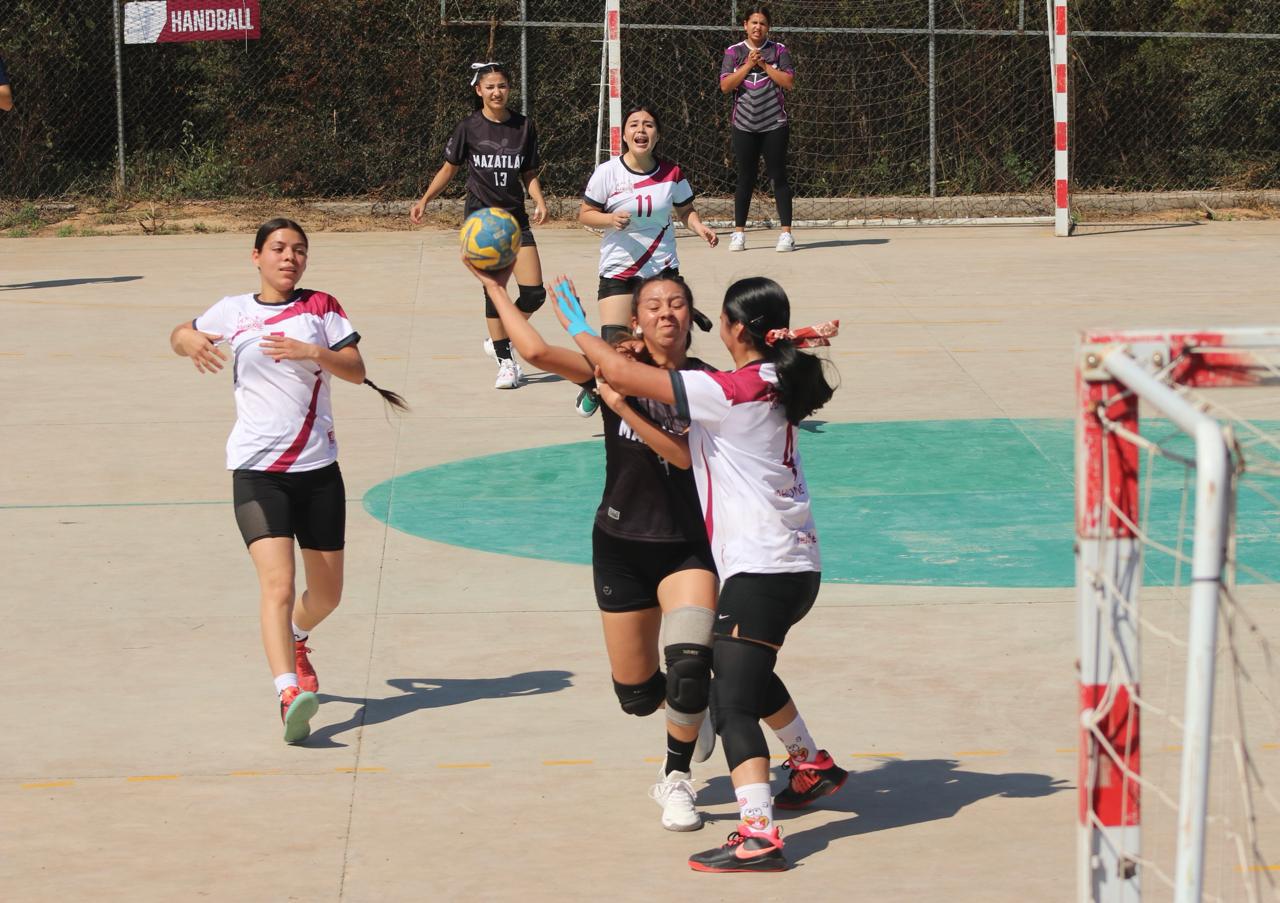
[[934, 503]]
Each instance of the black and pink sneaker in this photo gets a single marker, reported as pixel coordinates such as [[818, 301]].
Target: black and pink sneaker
[[810, 781], [748, 850]]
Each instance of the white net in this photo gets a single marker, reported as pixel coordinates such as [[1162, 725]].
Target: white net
[[1242, 836]]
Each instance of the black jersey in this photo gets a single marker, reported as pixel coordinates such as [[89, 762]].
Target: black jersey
[[496, 155], [646, 498]]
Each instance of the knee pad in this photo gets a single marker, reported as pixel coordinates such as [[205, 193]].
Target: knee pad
[[490, 311], [531, 298], [744, 672], [611, 331], [776, 695], [687, 638], [644, 698]]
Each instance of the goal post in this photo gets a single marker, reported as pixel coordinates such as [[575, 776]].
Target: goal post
[[1165, 371]]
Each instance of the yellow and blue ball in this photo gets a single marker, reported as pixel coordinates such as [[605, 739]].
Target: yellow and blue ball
[[490, 239]]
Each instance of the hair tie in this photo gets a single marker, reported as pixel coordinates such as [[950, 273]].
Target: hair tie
[[701, 320], [806, 336], [477, 69]]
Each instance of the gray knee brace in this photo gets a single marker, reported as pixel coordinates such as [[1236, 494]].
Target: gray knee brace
[[531, 298], [642, 699], [610, 331], [687, 637]]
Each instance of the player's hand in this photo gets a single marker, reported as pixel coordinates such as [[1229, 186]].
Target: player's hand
[[416, 211], [608, 394], [281, 348], [490, 279], [539, 214], [568, 309], [709, 236], [202, 348], [621, 219], [755, 57]]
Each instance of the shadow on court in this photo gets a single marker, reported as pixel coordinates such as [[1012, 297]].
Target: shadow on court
[[1084, 229], [63, 283], [899, 793], [839, 243], [417, 693]]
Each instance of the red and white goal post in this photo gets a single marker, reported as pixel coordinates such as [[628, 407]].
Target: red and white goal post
[[1119, 541]]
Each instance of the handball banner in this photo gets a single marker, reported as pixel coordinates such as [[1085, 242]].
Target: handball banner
[[166, 21]]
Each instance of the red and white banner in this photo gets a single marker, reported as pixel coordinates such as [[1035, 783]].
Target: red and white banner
[[167, 21]]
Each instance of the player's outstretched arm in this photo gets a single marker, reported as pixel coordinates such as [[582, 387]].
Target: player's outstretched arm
[[690, 219], [626, 376], [201, 347], [533, 185], [671, 448], [527, 341], [441, 179]]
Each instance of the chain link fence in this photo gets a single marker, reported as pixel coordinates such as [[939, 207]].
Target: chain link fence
[[903, 108]]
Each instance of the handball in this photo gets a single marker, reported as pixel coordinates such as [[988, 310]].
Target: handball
[[490, 239]]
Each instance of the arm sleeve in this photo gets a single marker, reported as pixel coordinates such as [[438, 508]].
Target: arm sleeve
[[728, 62], [338, 331], [596, 194], [217, 320], [530, 150], [455, 149], [682, 194], [700, 396], [784, 60]]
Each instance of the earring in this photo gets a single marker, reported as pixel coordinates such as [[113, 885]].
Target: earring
[[638, 332]]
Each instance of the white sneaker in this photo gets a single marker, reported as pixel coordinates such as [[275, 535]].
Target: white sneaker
[[488, 349], [674, 793], [508, 374], [786, 242], [738, 241], [706, 742]]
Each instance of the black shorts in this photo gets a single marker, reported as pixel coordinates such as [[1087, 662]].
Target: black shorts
[[627, 571], [609, 288], [764, 606], [311, 505], [522, 220]]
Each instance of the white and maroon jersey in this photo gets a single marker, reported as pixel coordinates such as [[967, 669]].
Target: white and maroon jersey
[[284, 421], [750, 480], [648, 245]]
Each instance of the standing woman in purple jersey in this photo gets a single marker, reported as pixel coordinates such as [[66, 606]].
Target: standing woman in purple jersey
[[756, 72], [500, 149]]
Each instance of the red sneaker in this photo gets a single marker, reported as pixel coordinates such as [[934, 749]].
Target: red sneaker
[[307, 679], [297, 708], [748, 850], [810, 781]]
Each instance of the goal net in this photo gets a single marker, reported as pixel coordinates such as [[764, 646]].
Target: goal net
[[1178, 555]]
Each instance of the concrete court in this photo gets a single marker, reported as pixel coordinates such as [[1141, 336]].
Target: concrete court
[[468, 746]]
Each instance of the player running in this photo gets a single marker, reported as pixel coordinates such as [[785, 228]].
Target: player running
[[500, 149], [635, 199], [285, 343], [652, 567], [752, 488]]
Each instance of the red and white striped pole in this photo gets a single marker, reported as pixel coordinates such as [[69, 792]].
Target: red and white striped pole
[[1061, 203], [1108, 578], [613, 27]]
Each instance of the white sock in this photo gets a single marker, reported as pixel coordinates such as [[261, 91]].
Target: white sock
[[795, 737], [299, 633], [755, 803], [285, 680]]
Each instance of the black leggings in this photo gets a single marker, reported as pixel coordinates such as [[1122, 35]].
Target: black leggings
[[747, 149]]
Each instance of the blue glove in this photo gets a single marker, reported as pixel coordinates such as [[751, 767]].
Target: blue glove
[[569, 305]]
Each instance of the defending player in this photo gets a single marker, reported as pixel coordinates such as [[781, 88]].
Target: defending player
[[636, 199], [742, 441], [651, 563], [285, 344], [499, 147]]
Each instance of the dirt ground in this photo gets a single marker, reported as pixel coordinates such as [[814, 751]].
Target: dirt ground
[[70, 219]]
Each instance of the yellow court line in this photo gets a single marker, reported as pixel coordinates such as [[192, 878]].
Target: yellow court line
[[1065, 749], [137, 778], [1177, 748], [652, 759], [362, 769], [253, 774], [777, 756], [1260, 868], [1271, 746], [567, 761], [463, 765], [40, 785], [983, 752], [877, 755]]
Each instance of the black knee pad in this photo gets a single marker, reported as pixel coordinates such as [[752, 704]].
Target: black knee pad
[[642, 699], [490, 311], [742, 682], [531, 298], [688, 678], [610, 331], [775, 696]]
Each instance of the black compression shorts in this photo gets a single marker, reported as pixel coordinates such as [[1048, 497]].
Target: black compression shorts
[[627, 571], [609, 288], [311, 505], [765, 606]]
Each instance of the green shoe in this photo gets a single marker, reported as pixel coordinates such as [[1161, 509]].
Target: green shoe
[[297, 708]]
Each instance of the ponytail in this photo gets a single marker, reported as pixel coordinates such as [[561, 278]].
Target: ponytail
[[391, 398], [762, 307]]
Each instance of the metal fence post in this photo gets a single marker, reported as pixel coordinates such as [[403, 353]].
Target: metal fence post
[[524, 57], [933, 104], [118, 33]]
